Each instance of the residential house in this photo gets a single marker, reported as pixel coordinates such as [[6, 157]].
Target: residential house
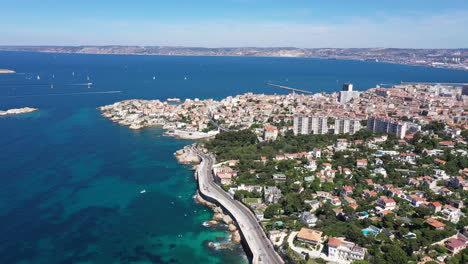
[[347, 171], [310, 236], [308, 218], [435, 206], [270, 133], [415, 200], [317, 152], [335, 201], [408, 157], [311, 164], [341, 144], [272, 194], [346, 191], [314, 204], [341, 250], [277, 177], [456, 245], [361, 163], [435, 224], [451, 213], [386, 203], [366, 194], [224, 178], [380, 171]]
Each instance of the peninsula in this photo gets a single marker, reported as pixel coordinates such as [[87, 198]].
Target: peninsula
[[378, 176], [18, 111]]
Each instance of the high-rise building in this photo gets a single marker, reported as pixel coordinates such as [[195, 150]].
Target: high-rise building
[[310, 125], [347, 87], [347, 93], [347, 126], [388, 125], [465, 90]]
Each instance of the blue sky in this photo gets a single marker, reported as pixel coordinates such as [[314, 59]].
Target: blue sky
[[234, 23]]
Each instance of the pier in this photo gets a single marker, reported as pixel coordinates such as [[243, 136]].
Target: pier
[[289, 88]]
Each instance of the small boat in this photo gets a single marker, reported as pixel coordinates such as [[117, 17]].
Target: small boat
[[142, 191], [154, 77], [185, 78], [87, 78], [73, 73], [38, 77]]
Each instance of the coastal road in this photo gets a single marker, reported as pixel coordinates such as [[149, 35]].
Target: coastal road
[[260, 246]]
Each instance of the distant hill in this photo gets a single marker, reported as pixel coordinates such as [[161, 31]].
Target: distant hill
[[454, 58]]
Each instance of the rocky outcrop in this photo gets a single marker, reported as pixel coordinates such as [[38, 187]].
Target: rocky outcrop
[[187, 156], [6, 71], [232, 228], [236, 238], [200, 199], [219, 216], [18, 111]]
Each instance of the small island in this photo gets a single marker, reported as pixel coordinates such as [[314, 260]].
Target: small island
[[17, 111], [6, 71]]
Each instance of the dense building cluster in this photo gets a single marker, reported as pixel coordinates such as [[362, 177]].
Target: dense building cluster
[[305, 161]]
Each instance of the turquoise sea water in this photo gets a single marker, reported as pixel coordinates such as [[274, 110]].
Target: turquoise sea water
[[70, 180]]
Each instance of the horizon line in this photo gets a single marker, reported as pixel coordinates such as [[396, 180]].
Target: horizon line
[[224, 47]]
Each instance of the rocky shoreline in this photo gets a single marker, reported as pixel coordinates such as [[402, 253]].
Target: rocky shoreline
[[187, 156], [17, 111], [219, 217]]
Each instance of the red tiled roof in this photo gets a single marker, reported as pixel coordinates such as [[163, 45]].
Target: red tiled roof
[[335, 242], [435, 223]]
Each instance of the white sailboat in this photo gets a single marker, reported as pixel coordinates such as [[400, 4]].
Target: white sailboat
[[38, 77]]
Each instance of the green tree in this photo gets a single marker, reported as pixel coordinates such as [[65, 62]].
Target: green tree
[[272, 210], [395, 255]]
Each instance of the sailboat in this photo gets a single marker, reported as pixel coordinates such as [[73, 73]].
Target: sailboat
[[154, 77], [38, 77]]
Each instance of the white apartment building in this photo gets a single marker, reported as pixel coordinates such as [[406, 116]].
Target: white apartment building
[[310, 125]]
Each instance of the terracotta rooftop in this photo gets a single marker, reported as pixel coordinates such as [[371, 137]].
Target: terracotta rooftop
[[310, 234]]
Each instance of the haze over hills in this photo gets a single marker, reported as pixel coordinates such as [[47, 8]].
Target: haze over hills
[[443, 58]]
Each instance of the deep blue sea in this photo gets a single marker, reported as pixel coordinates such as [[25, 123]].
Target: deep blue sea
[[70, 180]]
